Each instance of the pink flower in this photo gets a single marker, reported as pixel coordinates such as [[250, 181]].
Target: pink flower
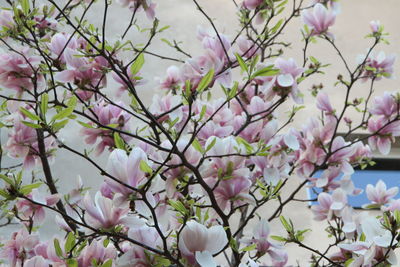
[[97, 251], [106, 114], [173, 79], [22, 143], [198, 243], [383, 135], [375, 26], [379, 194], [235, 190], [17, 71], [379, 66], [20, 246], [319, 19], [87, 74], [323, 103], [37, 261], [126, 169], [329, 205], [27, 210], [385, 105], [285, 82], [263, 245], [145, 5], [247, 47], [104, 212], [145, 235], [252, 4]]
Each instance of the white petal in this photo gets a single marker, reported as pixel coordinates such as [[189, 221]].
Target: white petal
[[205, 259]]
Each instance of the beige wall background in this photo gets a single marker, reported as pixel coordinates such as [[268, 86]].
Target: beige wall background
[[350, 28]]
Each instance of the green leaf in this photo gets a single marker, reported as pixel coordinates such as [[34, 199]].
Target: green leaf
[[144, 167], [86, 125], [278, 238], [249, 248], [6, 179], [57, 248], [285, 224], [267, 71], [32, 125], [203, 112], [138, 64], [205, 81], [29, 114], [233, 91], [67, 111], [26, 189], [44, 101], [211, 144], [70, 242], [107, 263], [241, 62], [119, 142], [178, 206], [4, 194], [314, 60], [59, 125], [25, 6], [277, 26], [72, 263], [197, 146]]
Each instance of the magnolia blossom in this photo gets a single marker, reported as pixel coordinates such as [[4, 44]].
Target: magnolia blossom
[[173, 79], [20, 246], [17, 71], [260, 237], [126, 168], [86, 74], [386, 105], [27, 209], [285, 82], [145, 5], [375, 26], [137, 255], [198, 243], [378, 66], [97, 251], [104, 212], [37, 261], [106, 114], [22, 143], [384, 134], [379, 194], [252, 4], [319, 19], [376, 237], [235, 190], [329, 205], [324, 104]]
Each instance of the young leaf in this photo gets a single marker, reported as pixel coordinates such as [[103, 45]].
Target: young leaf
[[29, 114], [137, 65], [70, 242], [205, 82], [119, 142], [241, 62], [57, 248], [44, 101], [144, 167]]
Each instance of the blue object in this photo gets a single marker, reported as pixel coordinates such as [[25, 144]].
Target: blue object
[[360, 179]]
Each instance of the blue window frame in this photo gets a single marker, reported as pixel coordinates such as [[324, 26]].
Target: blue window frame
[[385, 169]]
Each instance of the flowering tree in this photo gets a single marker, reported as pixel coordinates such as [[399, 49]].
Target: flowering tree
[[187, 173]]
